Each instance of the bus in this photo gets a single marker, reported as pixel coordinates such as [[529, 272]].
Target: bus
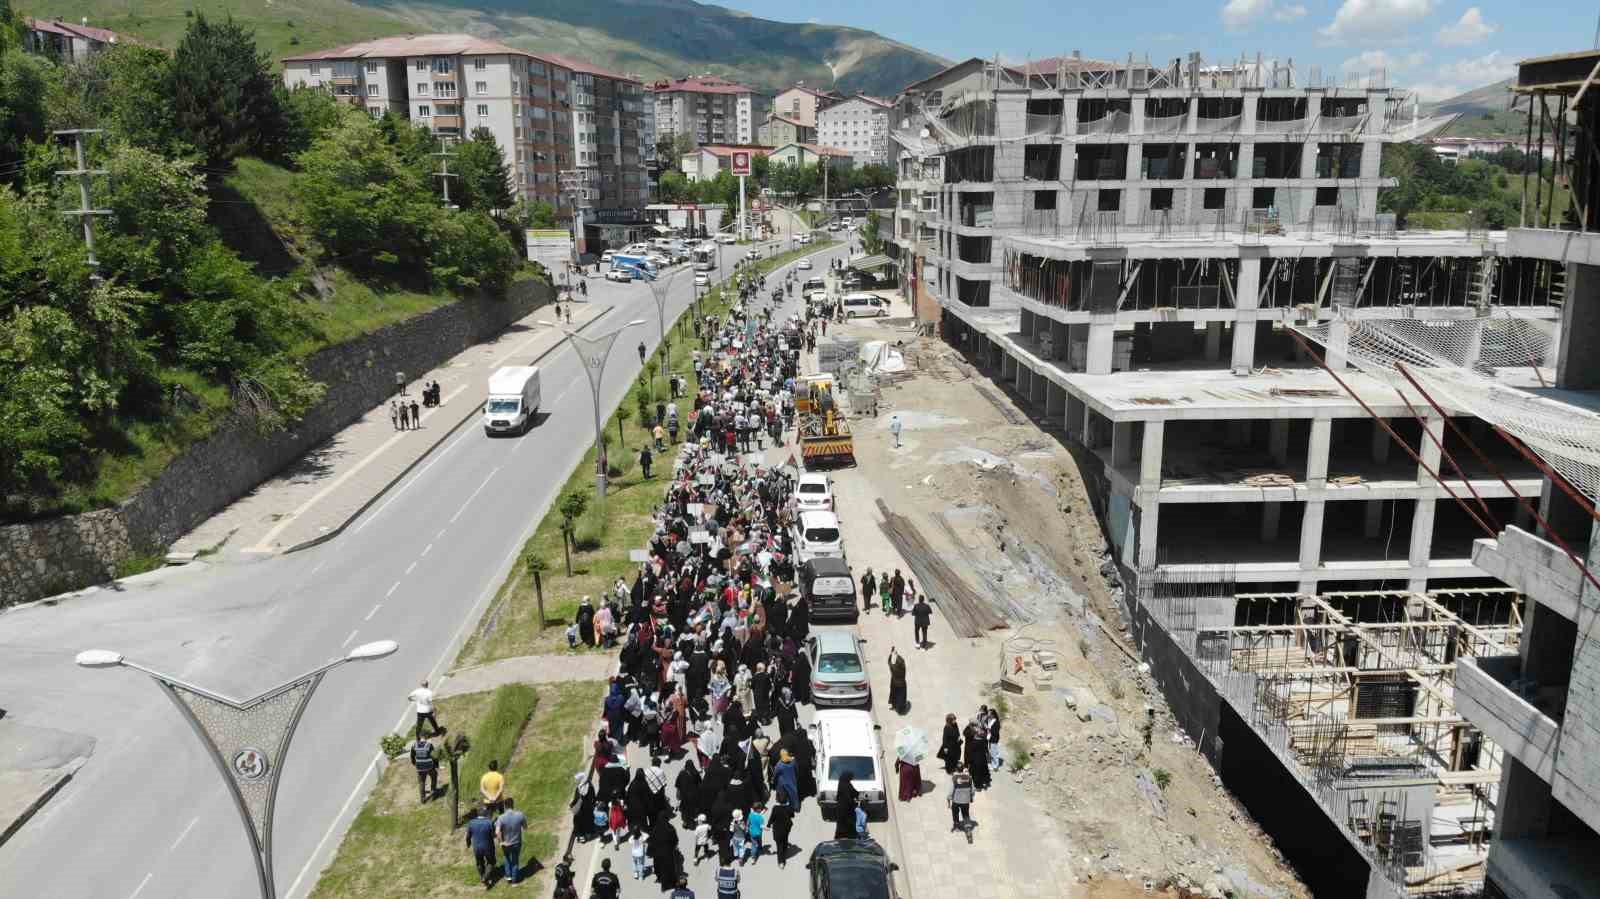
[[639, 266], [705, 257]]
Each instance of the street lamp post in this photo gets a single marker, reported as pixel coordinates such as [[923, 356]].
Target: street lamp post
[[247, 739], [593, 352], [661, 291]]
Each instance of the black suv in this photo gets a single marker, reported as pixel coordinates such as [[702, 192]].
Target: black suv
[[851, 869]]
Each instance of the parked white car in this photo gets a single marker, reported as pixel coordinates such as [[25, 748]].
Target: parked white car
[[813, 493], [701, 279], [847, 742], [817, 534]]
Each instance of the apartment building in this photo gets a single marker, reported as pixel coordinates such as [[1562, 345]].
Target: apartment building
[[812, 154], [860, 125], [707, 160], [571, 132], [778, 130], [709, 109], [66, 41], [803, 104], [1172, 263]]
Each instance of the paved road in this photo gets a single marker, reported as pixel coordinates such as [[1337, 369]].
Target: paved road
[[146, 817]]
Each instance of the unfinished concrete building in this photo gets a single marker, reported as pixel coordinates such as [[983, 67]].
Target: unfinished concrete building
[[1179, 267]]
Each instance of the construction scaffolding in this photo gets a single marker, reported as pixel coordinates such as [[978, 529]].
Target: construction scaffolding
[[1354, 691]]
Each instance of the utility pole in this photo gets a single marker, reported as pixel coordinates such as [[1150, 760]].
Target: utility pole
[[444, 172], [85, 211]]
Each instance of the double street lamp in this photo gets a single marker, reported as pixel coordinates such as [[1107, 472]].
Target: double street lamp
[[247, 739], [661, 291], [593, 350]]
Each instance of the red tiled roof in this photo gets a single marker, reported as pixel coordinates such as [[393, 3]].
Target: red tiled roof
[[411, 45], [727, 149], [701, 84], [88, 32], [820, 150], [783, 118], [578, 65]]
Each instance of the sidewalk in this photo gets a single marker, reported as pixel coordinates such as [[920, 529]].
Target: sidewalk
[[35, 763], [540, 669], [313, 499]]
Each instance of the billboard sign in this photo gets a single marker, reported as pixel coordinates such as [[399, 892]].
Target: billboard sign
[[741, 162]]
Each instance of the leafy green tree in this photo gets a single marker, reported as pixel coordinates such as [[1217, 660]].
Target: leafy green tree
[[469, 251], [308, 114], [483, 178], [365, 205], [26, 83], [126, 90], [223, 91], [571, 507], [871, 238], [674, 187], [533, 214]]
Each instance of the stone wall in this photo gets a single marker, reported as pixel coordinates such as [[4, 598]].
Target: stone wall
[[42, 558]]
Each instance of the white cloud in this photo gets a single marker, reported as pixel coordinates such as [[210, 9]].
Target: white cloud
[[1469, 29], [1289, 13], [1240, 13], [1380, 59], [1463, 75], [1373, 19]]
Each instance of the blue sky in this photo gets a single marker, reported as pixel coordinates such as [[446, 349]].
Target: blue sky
[[1435, 47]]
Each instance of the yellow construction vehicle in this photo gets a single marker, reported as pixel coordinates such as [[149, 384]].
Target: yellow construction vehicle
[[809, 391], [825, 435]]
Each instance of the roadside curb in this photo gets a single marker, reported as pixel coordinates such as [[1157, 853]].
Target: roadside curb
[[39, 801], [447, 434]]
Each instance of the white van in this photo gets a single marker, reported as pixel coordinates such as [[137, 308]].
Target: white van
[[864, 305], [513, 400], [817, 535], [847, 742]]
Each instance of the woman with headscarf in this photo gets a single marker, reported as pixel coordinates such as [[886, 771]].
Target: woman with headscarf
[[976, 755], [779, 821], [786, 781], [788, 716], [755, 772], [688, 787], [950, 745], [585, 622], [720, 688], [800, 619], [613, 781], [639, 804], [743, 690], [897, 681], [735, 726], [800, 678], [910, 775], [761, 690], [663, 848], [844, 808], [582, 806], [616, 712]]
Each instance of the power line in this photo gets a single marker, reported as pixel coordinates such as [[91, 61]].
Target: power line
[[85, 175]]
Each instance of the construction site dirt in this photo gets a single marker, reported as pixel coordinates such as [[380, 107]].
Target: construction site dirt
[[1001, 502]]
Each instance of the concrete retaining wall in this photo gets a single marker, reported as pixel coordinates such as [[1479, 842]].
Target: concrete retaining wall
[[42, 558]]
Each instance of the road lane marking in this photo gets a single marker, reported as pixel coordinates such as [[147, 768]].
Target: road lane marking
[[411, 567], [439, 535], [347, 640], [265, 544], [426, 548], [185, 833], [473, 496], [319, 566], [393, 587], [373, 612], [414, 478], [141, 886]]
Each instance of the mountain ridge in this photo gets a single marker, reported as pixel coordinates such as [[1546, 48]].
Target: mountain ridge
[[650, 38]]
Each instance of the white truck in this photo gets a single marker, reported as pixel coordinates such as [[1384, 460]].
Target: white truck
[[513, 400]]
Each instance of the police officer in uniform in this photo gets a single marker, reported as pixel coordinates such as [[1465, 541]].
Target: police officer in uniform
[[422, 758]]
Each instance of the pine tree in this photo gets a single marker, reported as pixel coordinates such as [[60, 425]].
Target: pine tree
[[222, 91], [485, 180]]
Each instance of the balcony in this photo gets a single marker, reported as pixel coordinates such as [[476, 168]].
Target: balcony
[[1491, 693], [444, 76], [446, 122]]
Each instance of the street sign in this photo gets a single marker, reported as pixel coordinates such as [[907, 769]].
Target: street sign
[[741, 163]]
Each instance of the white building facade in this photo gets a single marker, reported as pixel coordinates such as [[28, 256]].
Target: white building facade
[[860, 125]]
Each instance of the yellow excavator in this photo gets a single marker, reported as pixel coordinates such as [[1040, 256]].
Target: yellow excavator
[[824, 434]]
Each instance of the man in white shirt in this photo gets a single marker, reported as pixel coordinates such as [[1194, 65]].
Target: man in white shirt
[[423, 697]]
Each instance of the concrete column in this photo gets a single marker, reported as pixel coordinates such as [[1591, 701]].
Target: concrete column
[[1317, 452], [1075, 414], [1214, 341], [1078, 346], [1025, 324], [1244, 327], [1372, 524], [1247, 121], [1150, 455], [1121, 444], [1278, 440], [1428, 449], [1271, 513], [1136, 114], [1338, 351], [1058, 340], [1055, 402], [1421, 542], [1580, 330], [1381, 441], [1524, 516], [1069, 113], [1191, 122], [1102, 340], [1311, 535], [1149, 519]]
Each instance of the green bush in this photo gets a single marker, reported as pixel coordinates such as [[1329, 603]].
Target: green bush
[[497, 736], [393, 745]]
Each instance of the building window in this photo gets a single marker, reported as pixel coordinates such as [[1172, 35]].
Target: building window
[[483, 110], [372, 67], [1216, 198], [443, 65], [1262, 197], [375, 111], [1327, 196], [424, 112], [422, 88], [480, 87], [372, 90], [1160, 198], [422, 65], [316, 68], [479, 63]]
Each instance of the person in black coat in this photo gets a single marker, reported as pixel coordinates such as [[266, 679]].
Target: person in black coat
[[582, 806], [897, 681], [950, 745], [800, 620], [662, 845], [800, 677], [780, 820], [639, 804], [585, 622], [761, 686], [976, 755], [688, 786], [788, 716], [844, 808]]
